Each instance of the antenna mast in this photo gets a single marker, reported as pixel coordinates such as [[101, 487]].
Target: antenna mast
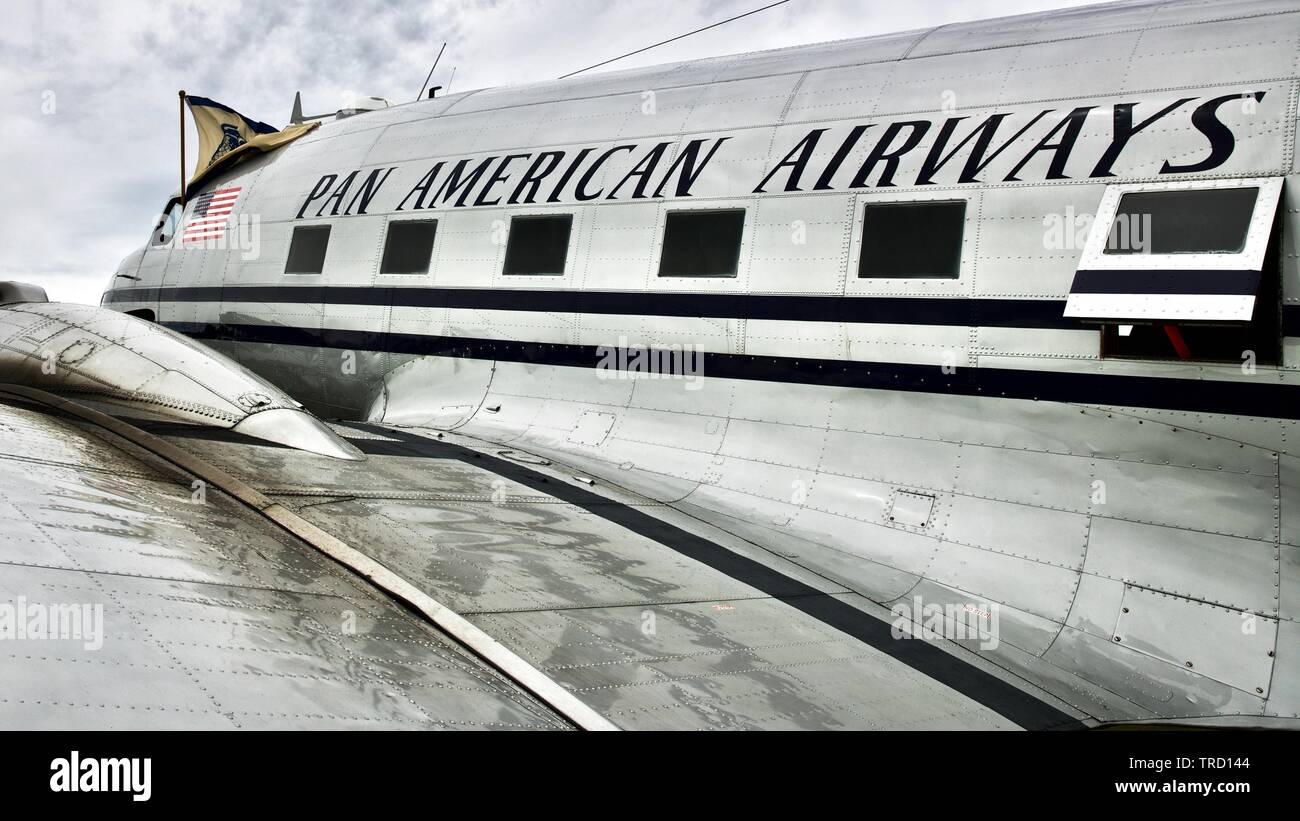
[[431, 68]]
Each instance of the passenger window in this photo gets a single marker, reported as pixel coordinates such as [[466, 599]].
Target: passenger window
[[408, 248], [168, 223], [917, 240], [1208, 221], [307, 249], [702, 243], [538, 245]]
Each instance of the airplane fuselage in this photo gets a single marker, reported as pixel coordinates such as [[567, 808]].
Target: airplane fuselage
[[878, 305]]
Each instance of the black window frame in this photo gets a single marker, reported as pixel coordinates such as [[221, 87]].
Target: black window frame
[[677, 214], [403, 225], [863, 271], [512, 235], [305, 230]]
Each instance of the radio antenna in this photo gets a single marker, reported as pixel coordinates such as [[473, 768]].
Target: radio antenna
[[678, 37], [431, 68]]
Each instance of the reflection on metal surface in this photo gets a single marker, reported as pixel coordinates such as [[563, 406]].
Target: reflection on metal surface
[[11, 292], [650, 625], [127, 361], [212, 618], [300, 430]]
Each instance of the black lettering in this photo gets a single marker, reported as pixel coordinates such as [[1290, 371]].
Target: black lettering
[[454, 183], [532, 178], [841, 154], [337, 196], [687, 161], [642, 172], [317, 191], [1124, 131], [936, 159], [1206, 120], [796, 161], [568, 174], [891, 158], [581, 192], [368, 190], [1072, 125], [499, 176], [976, 164], [422, 187]]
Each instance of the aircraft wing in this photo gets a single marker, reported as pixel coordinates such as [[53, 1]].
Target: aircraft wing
[[131, 600], [216, 613]]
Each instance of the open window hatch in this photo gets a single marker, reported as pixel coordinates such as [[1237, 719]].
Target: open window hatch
[[1184, 270]]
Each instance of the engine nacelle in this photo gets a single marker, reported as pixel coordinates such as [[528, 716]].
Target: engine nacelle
[[123, 360]]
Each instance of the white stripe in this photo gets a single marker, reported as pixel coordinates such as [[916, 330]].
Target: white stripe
[[1221, 307]]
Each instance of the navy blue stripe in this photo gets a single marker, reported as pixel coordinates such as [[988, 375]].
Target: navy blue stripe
[[1240, 283], [1004, 313], [1257, 397]]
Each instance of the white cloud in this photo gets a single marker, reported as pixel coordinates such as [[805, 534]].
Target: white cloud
[[83, 180]]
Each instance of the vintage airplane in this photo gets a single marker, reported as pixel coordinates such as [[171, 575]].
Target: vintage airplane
[[946, 379]]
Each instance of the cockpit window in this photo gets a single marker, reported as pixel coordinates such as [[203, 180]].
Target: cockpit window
[[168, 223]]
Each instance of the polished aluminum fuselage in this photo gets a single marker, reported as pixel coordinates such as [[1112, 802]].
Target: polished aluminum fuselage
[[1136, 522]]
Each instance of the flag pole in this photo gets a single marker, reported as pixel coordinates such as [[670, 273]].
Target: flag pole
[[182, 104]]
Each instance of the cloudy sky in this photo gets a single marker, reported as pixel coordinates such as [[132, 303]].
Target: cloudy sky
[[88, 138]]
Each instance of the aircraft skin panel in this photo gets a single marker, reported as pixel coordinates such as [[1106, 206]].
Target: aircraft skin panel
[[948, 436], [638, 629], [208, 617], [1211, 538]]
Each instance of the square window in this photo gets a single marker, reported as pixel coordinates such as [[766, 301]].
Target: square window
[[920, 240], [408, 248], [307, 249], [538, 245], [702, 243]]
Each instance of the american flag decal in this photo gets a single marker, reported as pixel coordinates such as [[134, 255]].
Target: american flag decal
[[210, 215]]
